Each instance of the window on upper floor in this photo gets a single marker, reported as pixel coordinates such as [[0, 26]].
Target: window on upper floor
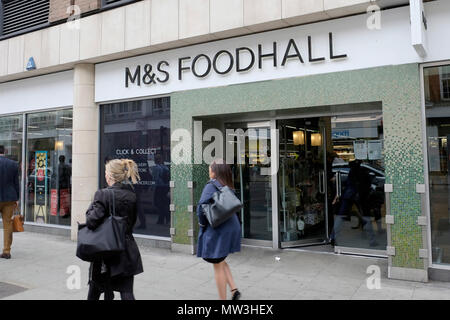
[[20, 15]]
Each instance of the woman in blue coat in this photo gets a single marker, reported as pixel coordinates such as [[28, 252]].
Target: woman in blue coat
[[214, 244]]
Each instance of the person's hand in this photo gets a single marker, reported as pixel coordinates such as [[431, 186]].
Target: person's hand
[[17, 204]]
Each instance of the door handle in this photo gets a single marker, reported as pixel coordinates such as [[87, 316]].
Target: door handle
[[321, 181], [338, 184]]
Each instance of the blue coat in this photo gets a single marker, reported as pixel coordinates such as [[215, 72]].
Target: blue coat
[[9, 180], [217, 242]]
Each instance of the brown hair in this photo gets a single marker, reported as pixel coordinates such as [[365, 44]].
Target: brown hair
[[222, 172], [122, 170]]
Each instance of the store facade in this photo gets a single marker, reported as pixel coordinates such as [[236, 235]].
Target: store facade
[[36, 131], [291, 109]]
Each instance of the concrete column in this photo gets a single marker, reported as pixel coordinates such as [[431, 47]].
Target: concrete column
[[85, 144]]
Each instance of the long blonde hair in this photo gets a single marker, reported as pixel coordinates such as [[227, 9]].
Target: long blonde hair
[[122, 170]]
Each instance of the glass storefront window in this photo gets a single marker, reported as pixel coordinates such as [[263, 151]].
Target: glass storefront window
[[11, 134], [140, 130], [48, 167], [437, 109]]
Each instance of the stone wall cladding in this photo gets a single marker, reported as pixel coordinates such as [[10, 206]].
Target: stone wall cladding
[[58, 8]]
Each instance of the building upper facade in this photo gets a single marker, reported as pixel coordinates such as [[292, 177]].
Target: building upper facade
[[58, 34]]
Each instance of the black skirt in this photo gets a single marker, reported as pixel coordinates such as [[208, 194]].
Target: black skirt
[[214, 260]]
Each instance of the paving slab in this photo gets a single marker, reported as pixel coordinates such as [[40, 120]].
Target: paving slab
[[40, 263]]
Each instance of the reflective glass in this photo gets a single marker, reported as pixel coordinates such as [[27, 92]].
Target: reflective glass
[[11, 133], [252, 179], [49, 167], [437, 108], [140, 130]]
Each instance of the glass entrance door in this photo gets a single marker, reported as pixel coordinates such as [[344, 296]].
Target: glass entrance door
[[331, 183], [248, 153], [358, 169], [302, 182]]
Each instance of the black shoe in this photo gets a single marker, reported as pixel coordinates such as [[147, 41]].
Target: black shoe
[[5, 256], [236, 294], [333, 242]]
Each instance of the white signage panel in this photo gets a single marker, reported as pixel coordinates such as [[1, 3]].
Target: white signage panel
[[419, 25], [42, 92], [290, 52]]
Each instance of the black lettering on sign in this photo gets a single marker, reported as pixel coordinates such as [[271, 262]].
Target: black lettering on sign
[[149, 77], [134, 78], [294, 55], [272, 55], [181, 68], [208, 69], [163, 71], [231, 61], [332, 56], [238, 64], [311, 59]]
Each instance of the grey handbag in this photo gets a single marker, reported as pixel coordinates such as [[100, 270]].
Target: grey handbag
[[222, 205]]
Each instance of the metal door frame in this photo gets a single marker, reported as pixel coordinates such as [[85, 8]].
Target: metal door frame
[[273, 138], [313, 241]]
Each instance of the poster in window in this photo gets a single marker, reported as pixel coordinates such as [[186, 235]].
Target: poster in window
[[54, 202], [374, 149], [360, 149], [64, 202], [40, 190]]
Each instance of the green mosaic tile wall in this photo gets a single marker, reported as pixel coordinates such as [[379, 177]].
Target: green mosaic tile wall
[[398, 89]]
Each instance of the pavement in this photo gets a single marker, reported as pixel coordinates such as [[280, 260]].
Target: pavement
[[40, 263]]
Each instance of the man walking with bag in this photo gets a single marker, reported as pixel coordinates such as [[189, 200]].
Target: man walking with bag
[[9, 197]]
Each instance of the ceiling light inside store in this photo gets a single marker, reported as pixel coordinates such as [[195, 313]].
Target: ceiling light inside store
[[59, 145], [356, 119], [299, 138], [316, 139]]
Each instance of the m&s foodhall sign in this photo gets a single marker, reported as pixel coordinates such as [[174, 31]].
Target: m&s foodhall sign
[[226, 61]]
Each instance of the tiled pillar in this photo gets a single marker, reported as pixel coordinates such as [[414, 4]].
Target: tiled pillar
[[85, 143]]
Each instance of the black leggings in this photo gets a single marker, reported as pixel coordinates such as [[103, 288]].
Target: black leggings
[[94, 294]]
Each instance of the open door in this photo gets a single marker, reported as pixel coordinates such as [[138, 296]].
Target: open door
[[302, 182]]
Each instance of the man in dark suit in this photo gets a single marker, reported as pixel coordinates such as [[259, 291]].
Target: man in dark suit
[[9, 197]]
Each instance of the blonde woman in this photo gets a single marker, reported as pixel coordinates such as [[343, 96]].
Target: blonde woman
[[116, 274]]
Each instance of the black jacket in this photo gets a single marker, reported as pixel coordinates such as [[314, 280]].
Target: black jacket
[[129, 263], [9, 180]]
